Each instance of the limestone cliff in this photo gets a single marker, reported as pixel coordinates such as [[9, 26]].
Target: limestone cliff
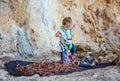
[[27, 27]]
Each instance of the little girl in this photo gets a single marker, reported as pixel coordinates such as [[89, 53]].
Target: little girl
[[65, 35]]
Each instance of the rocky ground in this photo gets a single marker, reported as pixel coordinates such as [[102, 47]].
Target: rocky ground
[[111, 73]]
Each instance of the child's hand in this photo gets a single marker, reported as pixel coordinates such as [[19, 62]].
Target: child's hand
[[58, 34], [74, 25]]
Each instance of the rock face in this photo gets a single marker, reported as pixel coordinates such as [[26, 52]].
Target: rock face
[[28, 26], [24, 47]]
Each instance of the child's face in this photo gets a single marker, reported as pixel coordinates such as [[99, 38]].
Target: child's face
[[68, 26]]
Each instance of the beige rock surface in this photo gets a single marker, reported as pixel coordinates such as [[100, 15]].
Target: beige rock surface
[[28, 26]]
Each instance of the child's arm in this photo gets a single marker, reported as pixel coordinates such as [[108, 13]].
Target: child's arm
[[58, 34], [73, 26]]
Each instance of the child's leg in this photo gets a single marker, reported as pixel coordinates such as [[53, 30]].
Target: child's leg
[[61, 57], [73, 50], [64, 55]]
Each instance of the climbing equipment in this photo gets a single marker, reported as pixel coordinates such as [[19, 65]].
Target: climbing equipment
[[64, 30]]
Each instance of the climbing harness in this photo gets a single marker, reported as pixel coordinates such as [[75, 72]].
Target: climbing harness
[[69, 47]]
